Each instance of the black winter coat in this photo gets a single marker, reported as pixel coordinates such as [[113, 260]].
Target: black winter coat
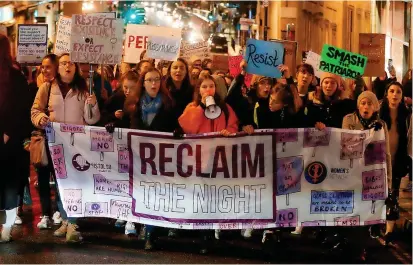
[[114, 103], [164, 121]]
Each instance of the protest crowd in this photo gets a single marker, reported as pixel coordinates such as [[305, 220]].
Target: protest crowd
[[172, 97]]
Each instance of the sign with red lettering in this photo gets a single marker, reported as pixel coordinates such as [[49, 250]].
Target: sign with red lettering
[[137, 38], [96, 39], [372, 45]]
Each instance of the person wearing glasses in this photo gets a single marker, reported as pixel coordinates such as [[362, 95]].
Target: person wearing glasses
[[69, 102]]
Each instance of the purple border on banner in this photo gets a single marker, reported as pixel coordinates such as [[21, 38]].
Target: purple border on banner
[[181, 220]]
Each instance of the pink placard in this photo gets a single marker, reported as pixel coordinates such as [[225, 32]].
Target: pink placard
[[375, 153], [314, 137], [59, 164], [72, 128], [347, 221], [286, 135], [352, 145], [287, 217], [314, 223], [374, 185], [101, 141], [123, 159]]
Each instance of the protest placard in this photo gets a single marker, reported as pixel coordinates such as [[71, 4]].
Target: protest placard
[[198, 49], [31, 43], [264, 57], [164, 48], [290, 54], [220, 62], [63, 32], [341, 62], [137, 36], [314, 60], [235, 69], [96, 39], [372, 45]]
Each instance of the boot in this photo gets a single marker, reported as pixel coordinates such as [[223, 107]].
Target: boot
[[72, 235], [148, 241], [5, 234], [61, 232]]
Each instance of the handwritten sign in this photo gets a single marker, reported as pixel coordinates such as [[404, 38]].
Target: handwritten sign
[[374, 185], [199, 49], [73, 201], [96, 39], [351, 146], [372, 45], [332, 202], [123, 159], [289, 171], [375, 153], [263, 57], [96, 209], [314, 60], [72, 128], [101, 141], [314, 223], [286, 135], [347, 221], [286, 217], [341, 62], [50, 133], [137, 38], [31, 43], [58, 158], [121, 209], [110, 187], [314, 137], [63, 32], [290, 54], [164, 48]]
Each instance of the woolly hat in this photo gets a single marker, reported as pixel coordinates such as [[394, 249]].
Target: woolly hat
[[372, 97], [325, 75]]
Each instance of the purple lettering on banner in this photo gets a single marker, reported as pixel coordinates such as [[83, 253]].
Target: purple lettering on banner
[[96, 209], [334, 201], [314, 137], [123, 159], [255, 225], [314, 223], [374, 185], [374, 222], [375, 153], [50, 133], [101, 141], [110, 187], [59, 164], [286, 135], [72, 199], [72, 128], [289, 171], [121, 209], [287, 217], [228, 226], [351, 146], [347, 221]]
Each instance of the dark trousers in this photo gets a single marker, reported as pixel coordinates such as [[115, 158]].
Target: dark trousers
[[43, 178]]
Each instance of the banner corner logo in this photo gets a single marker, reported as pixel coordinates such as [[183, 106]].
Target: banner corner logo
[[315, 172]]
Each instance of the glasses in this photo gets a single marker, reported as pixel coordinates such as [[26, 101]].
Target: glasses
[[64, 64], [156, 80]]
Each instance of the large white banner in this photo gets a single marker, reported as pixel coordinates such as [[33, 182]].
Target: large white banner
[[281, 178], [137, 38]]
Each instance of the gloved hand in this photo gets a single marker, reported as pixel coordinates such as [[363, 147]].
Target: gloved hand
[[178, 133], [391, 200], [377, 126], [110, 127]]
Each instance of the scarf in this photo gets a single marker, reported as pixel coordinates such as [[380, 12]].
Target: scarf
[[366, 123], [149, 107]]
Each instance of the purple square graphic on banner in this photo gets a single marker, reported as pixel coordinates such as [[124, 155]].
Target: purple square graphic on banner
[[374, 185], [314, 137], [375, 153], [289, 171]]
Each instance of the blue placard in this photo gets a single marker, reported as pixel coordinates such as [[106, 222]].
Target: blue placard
[[263, 57]]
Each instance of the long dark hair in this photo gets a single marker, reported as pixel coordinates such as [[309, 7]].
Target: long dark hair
[[402, 112], [78, 83], [167, 100], [6, 65], [218, 100], [186, 83]]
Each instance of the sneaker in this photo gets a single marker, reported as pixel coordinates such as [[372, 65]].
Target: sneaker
[[247, 233], [297, 230], [61, 232], [266, 236], [57, 218], [217, 233], [409, 187], [5, 234], [18, 220], [172, 233], [44, 223], [130, 229], [72, 235], [120, 223]]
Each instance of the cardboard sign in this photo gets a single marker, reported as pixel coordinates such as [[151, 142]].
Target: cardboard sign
[[372, 45], [199, 49], [341, 62], [290, 54], [220, 62], [137, 36], [164, 48], [314, 60], [264, 57], [246, 21], [96, 39], [31, 43], [64, 27]]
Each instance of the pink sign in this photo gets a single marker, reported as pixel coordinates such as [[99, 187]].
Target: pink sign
[[287, 217], [110, 187], [121, 209], [286, 135], [123, 159], [351, 145], [374, 185], [235, 69], [72, 128], [374, 222], [375, 153], [347, 221], [59, 164], [314, 137], [314, 223], [73, 201], [101, 141]]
